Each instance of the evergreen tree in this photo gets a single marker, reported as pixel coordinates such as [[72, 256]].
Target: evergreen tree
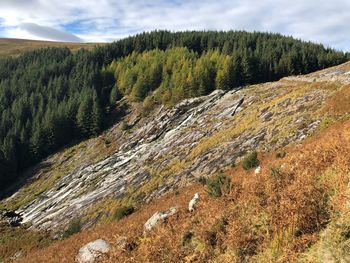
[[96, 116], [84, 118]]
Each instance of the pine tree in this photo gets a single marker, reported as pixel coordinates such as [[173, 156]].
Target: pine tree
[[84, 116], [37, 142], [96, 116]]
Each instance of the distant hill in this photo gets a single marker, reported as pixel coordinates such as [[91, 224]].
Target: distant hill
[[16, 47]]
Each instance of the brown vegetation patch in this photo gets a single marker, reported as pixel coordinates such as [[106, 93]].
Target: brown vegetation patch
[[273, 216]]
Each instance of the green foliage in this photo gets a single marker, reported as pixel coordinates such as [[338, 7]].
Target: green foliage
[[125, 126], [219, 185], [147, 105], [251, 161], [74, 227], [123, 211]]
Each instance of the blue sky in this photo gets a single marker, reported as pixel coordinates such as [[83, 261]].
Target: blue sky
[[107, 20]]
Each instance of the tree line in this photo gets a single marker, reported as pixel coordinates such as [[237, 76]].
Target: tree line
[[52, 97]]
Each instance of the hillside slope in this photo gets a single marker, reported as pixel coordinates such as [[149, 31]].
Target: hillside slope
[[50, 98], [171, 147], [17, 47], [295, 210]]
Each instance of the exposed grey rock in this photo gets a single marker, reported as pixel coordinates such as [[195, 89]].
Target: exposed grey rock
[[11, 218], [17, 255], [91, 251], [266, 116], [171, 135], [157, 217]]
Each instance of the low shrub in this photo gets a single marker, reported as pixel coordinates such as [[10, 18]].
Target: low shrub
[[202, 180], [281, 155], [125, 126], [187, 238], [74, 227], [218, 186], [123, 211], [212, 236], [251, 161]]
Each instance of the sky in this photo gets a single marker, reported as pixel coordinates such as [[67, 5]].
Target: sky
[[320, 21]]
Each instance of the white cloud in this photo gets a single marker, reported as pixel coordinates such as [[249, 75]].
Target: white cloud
[[45, 32], [105, 20]]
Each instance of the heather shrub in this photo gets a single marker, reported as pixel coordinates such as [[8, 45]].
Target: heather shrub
[[281, 154], [187, 238], [251, 161], [74, 227], [123, 211], [219, 185]]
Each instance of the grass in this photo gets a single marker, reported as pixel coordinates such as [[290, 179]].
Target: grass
[[16, 47], [13, 240]]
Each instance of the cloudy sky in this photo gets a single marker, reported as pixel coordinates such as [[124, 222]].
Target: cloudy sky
[[321, 21]]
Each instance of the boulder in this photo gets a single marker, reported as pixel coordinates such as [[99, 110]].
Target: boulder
[[158, 216], [91, 251], [17, 255]]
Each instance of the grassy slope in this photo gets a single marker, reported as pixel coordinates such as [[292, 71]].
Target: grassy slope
[[16, 47], [268, 219], [300, 214]]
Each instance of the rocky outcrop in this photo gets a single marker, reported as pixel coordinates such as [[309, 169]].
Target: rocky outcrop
[[92, 251], [158, 217], [10, 218], [197, 137]]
